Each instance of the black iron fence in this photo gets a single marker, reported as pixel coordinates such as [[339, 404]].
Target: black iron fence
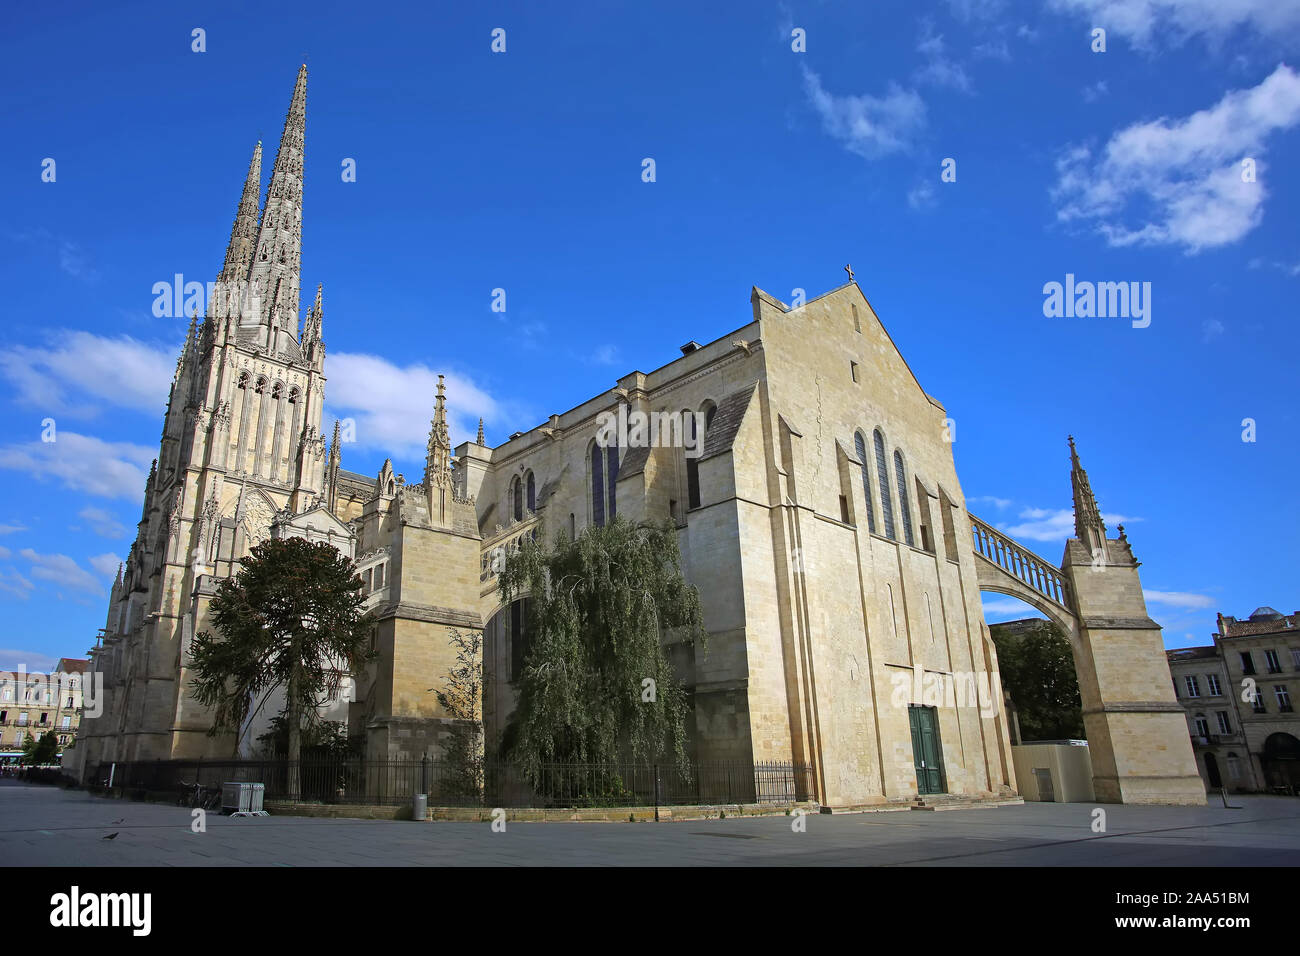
[[352, 780]]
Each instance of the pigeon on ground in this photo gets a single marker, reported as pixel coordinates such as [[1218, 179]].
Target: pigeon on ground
[[111, 836]]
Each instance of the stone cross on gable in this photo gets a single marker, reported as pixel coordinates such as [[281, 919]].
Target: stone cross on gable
[[849, 270]]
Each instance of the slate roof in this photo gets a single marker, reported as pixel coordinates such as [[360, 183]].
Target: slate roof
[[726, 422]]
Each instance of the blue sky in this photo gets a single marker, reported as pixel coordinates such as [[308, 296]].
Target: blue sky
[[522, 170]]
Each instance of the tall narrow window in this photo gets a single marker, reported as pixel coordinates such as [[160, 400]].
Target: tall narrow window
[[697, 445], [860, 446], [882, 472], [597, 486], [692, 465], [611, 454], [517, 499], [532, 493], [903, 507]]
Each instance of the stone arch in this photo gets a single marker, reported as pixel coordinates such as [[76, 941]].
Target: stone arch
[[1067, 622]]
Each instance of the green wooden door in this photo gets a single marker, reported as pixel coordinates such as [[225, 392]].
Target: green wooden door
[[926, 751]]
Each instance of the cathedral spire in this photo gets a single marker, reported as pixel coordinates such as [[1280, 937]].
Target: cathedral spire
[[479, 440], [239, 253], [278, 256], [1088, 526], [437, 461]]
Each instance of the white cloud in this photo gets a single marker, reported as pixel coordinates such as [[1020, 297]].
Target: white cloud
[[1140, 21], [11, 582], [1185, 599], [103, 523], [921, 196], [968, 10], [31, 661], [393, 405], [105, 564], [1210, 329], [11, 528], [1185, 174], [1054, 524], [79, 373], [867, 125], [83, 463], [998, 503], [63, 570], [1096, 91], [939, 69]]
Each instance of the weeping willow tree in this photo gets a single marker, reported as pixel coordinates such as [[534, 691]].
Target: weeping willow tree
[[599, 607]]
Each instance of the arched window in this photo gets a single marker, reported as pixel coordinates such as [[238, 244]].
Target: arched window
[[532, 494], [882, 473], [276, 391], [517, 499], [597, 485], [243, 380], [860, 446], [903, 507], [293, 396]]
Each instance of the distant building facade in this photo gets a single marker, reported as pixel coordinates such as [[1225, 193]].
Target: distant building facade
[[42, 703], [1239, 696]]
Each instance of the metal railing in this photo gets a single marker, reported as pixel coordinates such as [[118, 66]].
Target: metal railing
[[354, 780]]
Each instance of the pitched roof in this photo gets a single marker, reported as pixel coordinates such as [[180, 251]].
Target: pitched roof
[[727, 421]]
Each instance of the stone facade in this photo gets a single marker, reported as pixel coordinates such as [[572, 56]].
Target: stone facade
[[1239, 697], [810, 476]]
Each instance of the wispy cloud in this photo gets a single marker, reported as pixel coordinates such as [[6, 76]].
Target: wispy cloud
[[33, 662], [72, 259], [999, 503], [80, 374], [103, 523], [1095, 91], [939, 69], [1054, 524], [83, 463], [866, 125], [11, 582], [105, 564], [1141, 22], [62, 570], [393, 404], [1184, 599], [921, 196], [1184, 177]]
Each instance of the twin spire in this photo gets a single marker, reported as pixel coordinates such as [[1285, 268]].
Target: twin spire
[[264, 256]]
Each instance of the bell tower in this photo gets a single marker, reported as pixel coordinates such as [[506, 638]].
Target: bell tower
[[1137, 732]]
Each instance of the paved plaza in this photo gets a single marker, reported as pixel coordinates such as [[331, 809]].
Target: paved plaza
[[48, 826]]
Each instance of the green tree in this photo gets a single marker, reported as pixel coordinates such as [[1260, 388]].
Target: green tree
[[290, 618], [37, 753], [599, 608], [462, 699], [1037, 670], [326, 738]]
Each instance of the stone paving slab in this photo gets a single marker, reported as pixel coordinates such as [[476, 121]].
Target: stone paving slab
[[49, 826]]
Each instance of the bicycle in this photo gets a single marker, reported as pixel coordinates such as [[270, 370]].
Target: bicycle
[[198, 797]]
